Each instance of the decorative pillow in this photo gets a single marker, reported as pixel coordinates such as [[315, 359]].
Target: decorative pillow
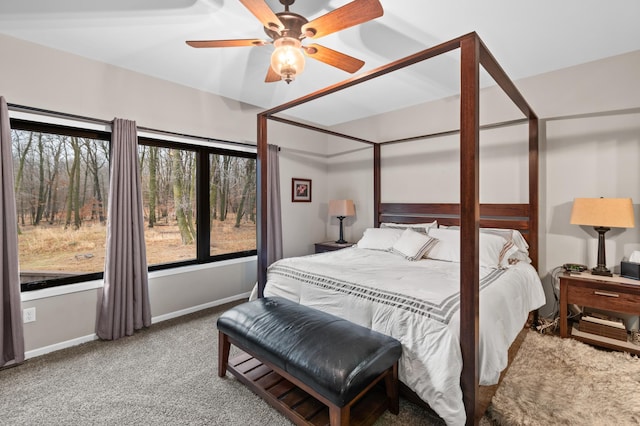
[[413, 245], [523, 249], [418, 227], [379, 238], [519, 251], [448, 247]]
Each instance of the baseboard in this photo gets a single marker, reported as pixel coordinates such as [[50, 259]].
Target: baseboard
[[62, 345], [84, 339], [193, 309]]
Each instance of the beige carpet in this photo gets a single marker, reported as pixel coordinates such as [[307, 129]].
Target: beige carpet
[[554, 381], [166, 375]]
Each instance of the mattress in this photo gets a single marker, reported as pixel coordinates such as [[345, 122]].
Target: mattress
[[416, 302]]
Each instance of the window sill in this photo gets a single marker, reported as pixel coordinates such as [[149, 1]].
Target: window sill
[[198, 267], [92, 285], [60, 290]]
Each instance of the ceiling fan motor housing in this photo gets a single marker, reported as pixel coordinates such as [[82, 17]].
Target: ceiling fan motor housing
[[292, 26]]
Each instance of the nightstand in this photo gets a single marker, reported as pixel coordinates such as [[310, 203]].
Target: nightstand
[[330, 246], [616, 294]]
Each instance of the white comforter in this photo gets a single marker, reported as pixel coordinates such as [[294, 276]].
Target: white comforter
[[418, 304]]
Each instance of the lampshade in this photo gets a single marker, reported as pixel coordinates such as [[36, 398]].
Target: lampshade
[[602, 214], [287, 59], [605, 212], [341, 208]]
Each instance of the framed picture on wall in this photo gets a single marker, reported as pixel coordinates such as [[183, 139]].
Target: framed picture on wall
[[300, 190]]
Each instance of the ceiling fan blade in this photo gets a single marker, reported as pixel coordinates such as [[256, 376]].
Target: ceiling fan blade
[[265, 15], [329, 56], [227, 43], [354, 13], [272, 76]]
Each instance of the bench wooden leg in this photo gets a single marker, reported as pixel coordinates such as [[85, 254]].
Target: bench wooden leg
[[391, 385], [339, 416], [223, 353]]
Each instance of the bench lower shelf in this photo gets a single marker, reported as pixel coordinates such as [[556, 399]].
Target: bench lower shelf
[[296, 404]]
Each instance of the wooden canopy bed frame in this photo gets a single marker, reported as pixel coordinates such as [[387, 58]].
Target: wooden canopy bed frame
[[469, 214]]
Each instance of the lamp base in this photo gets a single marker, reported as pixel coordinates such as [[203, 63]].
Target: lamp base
[[604, 272], [601, 268], [341, 240]]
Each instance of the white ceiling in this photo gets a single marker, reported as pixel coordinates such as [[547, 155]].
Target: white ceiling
[[148, 36]]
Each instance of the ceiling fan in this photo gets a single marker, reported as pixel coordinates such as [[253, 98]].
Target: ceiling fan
[[288, 29]]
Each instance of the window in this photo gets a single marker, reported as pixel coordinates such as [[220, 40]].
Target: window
[[62, 189], [182, 183], [62, 186], [169, 200], [232, 197]]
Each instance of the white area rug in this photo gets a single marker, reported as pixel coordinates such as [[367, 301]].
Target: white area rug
[[555, 381]]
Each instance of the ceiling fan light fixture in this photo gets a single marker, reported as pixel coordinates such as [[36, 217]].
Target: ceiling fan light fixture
[[287, 29], [287, 59]]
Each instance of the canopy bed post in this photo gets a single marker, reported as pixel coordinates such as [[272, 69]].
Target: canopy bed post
[[469, 221], [261, 234], [533, 192], [376, 185]]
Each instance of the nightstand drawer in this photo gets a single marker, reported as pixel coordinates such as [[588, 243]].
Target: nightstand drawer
[[614, 293], [602, 297]]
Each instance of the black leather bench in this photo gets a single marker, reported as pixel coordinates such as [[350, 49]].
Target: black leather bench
[[331, 359]]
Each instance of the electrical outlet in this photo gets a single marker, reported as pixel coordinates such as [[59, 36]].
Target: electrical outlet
[[29, 315]]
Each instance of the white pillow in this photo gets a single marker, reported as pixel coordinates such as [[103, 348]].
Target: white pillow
[[413, 245], [379, 238], [448, 247], [519, 249], [522, 254], [420, 227], [516, 252]]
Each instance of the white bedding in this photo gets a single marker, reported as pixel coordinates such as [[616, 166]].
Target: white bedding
[[417, 303]]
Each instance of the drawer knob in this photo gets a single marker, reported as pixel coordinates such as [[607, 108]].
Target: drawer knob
[[604, 293]]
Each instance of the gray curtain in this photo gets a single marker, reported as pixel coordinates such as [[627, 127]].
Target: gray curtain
[[274, 216], [124, 306], [12, 338]]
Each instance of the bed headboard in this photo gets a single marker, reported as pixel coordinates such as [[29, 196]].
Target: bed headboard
[[506, 216]]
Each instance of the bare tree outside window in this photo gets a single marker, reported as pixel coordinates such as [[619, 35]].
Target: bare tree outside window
[[232, 203], [62, 190]]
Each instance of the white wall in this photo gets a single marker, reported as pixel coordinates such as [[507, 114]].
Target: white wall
[[54, 80], [66, 317], [350, 166], [303, 155], [46, 78], [590, 147]]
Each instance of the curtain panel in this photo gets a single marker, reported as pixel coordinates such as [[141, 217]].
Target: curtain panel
[[124, 306], [274, 215], [12, 339]]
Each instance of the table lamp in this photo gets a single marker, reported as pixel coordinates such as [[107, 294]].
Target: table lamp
[[603, 214], [341, 209]]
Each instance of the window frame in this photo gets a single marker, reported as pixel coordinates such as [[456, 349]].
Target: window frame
[[202, 147], [203, 230]]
